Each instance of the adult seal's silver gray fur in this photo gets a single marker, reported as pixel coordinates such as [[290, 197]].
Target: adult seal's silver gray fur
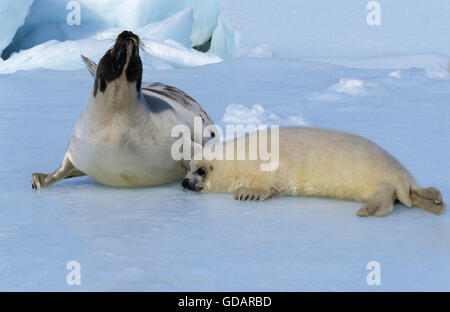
[[123, 137]]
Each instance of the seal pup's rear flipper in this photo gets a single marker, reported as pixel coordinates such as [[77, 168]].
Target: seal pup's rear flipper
[[429, 199], [91, 66]]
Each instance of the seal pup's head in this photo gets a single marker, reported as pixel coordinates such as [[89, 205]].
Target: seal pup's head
[[122, 62], [196, 176]]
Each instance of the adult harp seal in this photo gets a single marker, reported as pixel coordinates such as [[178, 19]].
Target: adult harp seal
[[123, 137]]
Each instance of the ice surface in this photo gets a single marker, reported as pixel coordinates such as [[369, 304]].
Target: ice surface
[[404, 61], [318, 28], [303, 63], [163, 238]]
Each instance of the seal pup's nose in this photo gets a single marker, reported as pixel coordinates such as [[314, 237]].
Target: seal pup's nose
[[185, 183]]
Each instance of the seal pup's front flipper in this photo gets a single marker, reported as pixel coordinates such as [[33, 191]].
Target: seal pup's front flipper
[[91, 66], [244, 193]]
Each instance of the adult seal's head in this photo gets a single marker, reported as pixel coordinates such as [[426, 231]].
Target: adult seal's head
[[121, 61]]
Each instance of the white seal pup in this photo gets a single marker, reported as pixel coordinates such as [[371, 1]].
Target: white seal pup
[[123, 137], [316, 162]]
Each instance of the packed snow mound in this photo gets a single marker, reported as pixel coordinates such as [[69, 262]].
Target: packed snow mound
[[66, 55], [167, 42], [48, 19], [238, 114], [348, 89], [437, 71], [348, 86], [347, 29], [55, 55], [179, 56], [12, 16]]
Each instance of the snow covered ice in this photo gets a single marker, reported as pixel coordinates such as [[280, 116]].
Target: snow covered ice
[[321, 28], [163, 238]]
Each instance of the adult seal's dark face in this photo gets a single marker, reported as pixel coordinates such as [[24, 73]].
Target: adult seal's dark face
[[122, 59]]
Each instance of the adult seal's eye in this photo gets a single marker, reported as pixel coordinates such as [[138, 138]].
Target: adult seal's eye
[[201, 172]]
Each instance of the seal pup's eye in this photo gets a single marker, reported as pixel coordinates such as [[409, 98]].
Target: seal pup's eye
[[201, 172]]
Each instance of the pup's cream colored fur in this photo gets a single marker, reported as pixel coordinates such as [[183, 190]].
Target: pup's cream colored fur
[[322, 163]]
